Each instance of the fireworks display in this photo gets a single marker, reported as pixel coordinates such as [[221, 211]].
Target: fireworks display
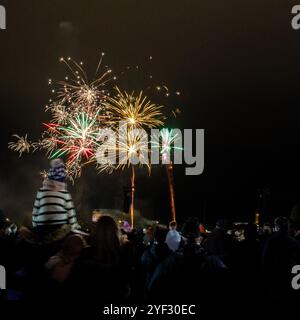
[[79, 108], [93, 124], [77, 114]]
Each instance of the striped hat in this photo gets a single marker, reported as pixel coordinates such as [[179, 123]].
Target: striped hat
[[57, 170]]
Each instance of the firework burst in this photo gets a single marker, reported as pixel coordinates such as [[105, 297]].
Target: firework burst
[[59, 113], [21, 145], [77, 141], [136, 114], [133, 111], [76, 93], [77, 113], [132, 116], [131, 149], [165, 141]]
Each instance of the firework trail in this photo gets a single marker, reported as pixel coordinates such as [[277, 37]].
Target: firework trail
[[133, 113]]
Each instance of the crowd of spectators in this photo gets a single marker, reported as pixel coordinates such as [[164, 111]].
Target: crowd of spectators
[[156, 264]]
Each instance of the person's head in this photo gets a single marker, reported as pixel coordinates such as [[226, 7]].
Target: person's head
[[250, 231], [124, 238], [150, 233], [106, 240], [173, 225], [267, 228], [190, 229], [73, 247], [223, 224], [57, 171], [160, 234], [281, 224], [126, 226], [202, 229]]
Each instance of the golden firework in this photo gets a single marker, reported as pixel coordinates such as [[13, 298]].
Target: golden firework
[[134, 111]]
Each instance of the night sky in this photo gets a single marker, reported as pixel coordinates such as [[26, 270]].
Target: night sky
[[236, 63]]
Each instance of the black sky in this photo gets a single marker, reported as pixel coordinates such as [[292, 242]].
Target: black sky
[[237, 64]]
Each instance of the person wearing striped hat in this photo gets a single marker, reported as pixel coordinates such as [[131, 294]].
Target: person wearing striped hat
[[53, 206]]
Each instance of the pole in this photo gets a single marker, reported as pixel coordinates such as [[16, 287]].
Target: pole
[[169, 168], [132, 197]]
